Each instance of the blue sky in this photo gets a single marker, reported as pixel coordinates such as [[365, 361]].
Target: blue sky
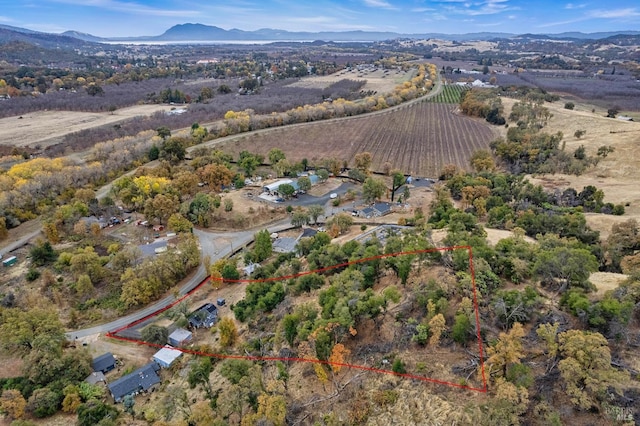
[[152, 17]]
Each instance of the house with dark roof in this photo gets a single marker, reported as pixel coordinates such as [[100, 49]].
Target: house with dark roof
[[104, 363], [382, 209], [377, 210], [141, 380], [204, 317]]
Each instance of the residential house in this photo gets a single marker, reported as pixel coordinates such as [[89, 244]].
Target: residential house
[[204, 317], [104, 363], [142, 380]]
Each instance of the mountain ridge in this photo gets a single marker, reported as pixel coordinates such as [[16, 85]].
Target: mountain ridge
[[200, 32]]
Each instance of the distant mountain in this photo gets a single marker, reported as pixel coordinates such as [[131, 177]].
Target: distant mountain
[[10, 34], [83, 36], [202, 33]]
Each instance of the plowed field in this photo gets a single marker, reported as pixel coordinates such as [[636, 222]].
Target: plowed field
[[418, 139]]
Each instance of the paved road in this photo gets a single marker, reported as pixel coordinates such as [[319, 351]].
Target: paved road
[[9, 247], [215, 245]]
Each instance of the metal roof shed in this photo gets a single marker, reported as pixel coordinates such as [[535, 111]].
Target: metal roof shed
[[179, 337], [166, 356]]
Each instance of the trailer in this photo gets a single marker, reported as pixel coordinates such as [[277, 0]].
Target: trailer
[[10, 261]]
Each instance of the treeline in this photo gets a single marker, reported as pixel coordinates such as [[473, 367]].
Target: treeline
[[274, 97]]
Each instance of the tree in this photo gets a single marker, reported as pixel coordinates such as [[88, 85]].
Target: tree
[[93, 412], [323, 175], [275, 155], [43, 402], [249, 162], [173, 150], [363, 162], [13, 403], [339, 354], [613, 112], [373, 189], [571, 265], [19, 329], [569, 105], [155, 334], [586, 367], [228, 332], [179, 223], [230, 272], [199, 373], [286, 190], [163, 132], [94, 89], [341, 221], [508, 349], [304, 183], [262, 246], [437, 326], [549, 334], [579, 133], [42, 253], [4, 233], [315, 211], [299, 218], [398, 180], [161, 207], [216, 175]]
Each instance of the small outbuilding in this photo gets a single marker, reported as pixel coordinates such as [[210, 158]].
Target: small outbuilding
[[104, 363], [166, 356], [180, 337], [10, 261]]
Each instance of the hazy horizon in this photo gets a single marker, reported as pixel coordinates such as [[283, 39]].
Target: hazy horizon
[[115, 18]]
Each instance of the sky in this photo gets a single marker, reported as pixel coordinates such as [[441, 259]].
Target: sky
[[121, 18]]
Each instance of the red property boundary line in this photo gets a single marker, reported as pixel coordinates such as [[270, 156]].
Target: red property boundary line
[[483, 389]]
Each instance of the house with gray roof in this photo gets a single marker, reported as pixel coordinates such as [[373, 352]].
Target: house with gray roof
[[204, 317], [104, 363], [141, 380]]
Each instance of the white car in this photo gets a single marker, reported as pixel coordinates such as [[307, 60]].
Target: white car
[[333, 196]]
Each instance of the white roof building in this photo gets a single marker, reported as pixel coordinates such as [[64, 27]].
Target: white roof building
[[166, 356]]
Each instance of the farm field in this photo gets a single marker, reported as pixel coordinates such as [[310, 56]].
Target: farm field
[[418, 139], [44, 128]]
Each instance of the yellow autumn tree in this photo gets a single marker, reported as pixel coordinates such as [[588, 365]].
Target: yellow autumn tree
[[13, 403], [437, 326], [228, 332], [508, 349], [586, 367]]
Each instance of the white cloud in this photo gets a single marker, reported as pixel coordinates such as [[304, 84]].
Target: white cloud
[[5, 19], [485, 7], [571, 6], [615, 13], [378, 3]]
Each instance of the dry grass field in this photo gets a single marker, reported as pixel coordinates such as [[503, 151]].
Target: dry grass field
[[617, 175], [45, 128], [380, 81]]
